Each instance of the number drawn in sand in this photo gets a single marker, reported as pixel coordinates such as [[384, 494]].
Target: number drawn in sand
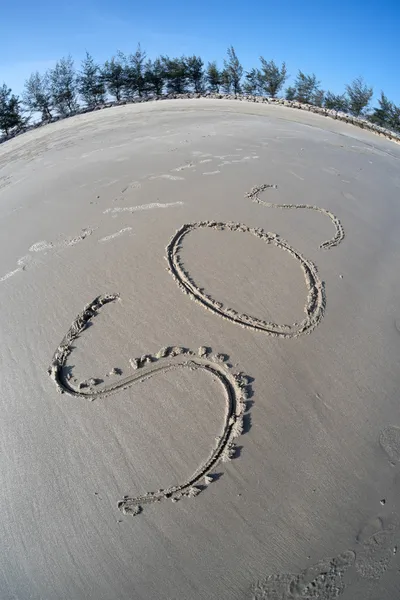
[[254, 195], [315, 304], [235, 388]]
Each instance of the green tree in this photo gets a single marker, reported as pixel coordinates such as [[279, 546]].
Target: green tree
[[387, 115], [233, 70], [134, 72], [195, 73], [63, 83], [113, 76], [336, 102], [90, 82], [252, 82], [226, 81], [154, 74], [37, 95], [394, 121], [10, 111], [213, 77], [272, 77], [360, 95], [129, 83], [290, 93], [307, 88], [175, 74], [319, 98]]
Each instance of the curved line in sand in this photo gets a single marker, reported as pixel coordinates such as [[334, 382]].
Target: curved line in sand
[[235, 388], [339, 233], [316, 300]]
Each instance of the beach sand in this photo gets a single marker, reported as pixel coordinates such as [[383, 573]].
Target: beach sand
[[275, 399]]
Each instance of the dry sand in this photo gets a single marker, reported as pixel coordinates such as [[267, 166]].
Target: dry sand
[[98, 211]]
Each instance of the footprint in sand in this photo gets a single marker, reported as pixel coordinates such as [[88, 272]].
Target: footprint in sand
[[374, 555], [377, 553], [389, 440], [397, 325], [322, 581]]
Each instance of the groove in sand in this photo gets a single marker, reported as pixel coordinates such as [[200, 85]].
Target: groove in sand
[[315, 305], [235, 388], [115, 235], [140, 207], [339, 234]]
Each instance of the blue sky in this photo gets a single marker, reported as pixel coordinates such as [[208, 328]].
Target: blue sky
[[337, 42]]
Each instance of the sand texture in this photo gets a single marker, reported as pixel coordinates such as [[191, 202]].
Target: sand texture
[[200, 357]]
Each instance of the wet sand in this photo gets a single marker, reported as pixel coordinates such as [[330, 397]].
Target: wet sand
[[214, 287]]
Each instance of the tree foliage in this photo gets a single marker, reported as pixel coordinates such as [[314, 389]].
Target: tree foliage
[[63, 85], [233, 71], [251, 84], [318, 98], [175, 74], [306, 89], [336, 102], [387, 115], [195, 73], [271, 77], [213, 77], [132, 76], [37, 95], [226, 82], [134, 73], [359, 94], [10, 111], [90, 82], [154, 75], [113, 76], [290, 93]]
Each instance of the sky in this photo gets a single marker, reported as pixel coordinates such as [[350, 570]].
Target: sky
[[337, 41]]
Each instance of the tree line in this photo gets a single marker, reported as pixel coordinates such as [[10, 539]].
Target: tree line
[[60, 92]]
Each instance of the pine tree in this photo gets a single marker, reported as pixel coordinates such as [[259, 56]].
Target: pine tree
[[336, 102], [10, 111], [154, 74], [37, 95], [195, 73], [394, 121], [233, 70], [213, 77], [360, 95], [90, 82], [319, 98], [63, 82], [387, 115], [272, 77], [252, 82], [226, 82], [175, 74], [129, 80], [290, 93], [113, 76], [307, 89], [135, 73]]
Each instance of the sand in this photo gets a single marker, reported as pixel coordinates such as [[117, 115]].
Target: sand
[[238, 440]]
